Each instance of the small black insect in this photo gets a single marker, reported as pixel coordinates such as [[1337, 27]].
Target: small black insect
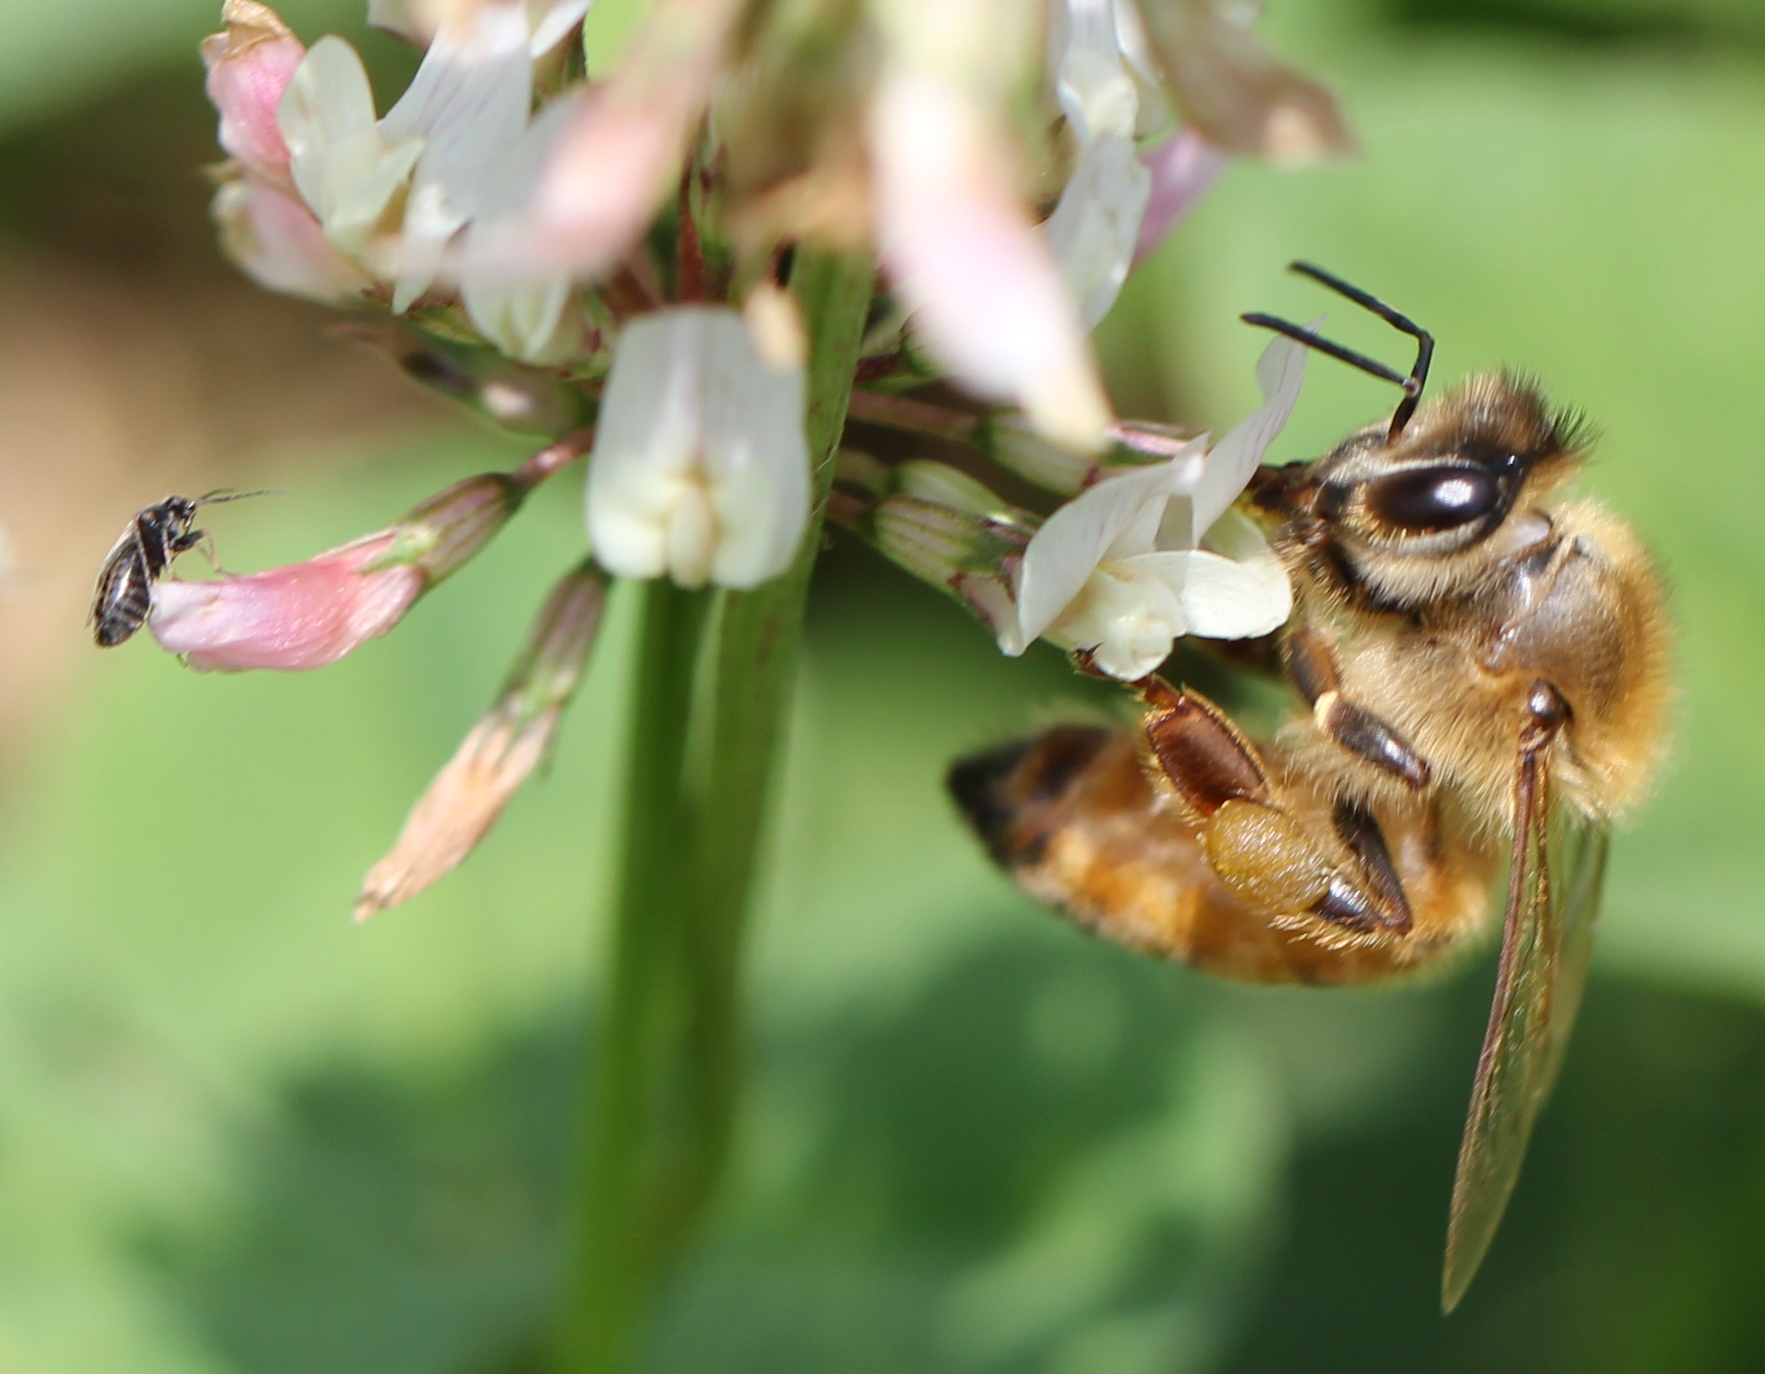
[[140, 557]]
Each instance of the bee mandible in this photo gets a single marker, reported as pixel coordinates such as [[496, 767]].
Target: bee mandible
[[1480, 666]]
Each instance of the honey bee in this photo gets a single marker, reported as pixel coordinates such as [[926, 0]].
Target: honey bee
[[139, 558], [1481, 660]]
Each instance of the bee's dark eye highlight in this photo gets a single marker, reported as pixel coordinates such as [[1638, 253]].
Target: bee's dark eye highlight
[[1433, 498]]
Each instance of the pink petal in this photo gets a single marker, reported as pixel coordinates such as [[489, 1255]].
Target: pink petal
[[622, 156], [278, 243], [982, 283], [290, 619], [1184, 168], [249, 67]]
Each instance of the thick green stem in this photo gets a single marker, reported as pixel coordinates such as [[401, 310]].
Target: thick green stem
[[634, 1137], [750, 675], [707, 719]]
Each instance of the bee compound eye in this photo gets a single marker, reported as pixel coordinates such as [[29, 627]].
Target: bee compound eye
[[1429, 499]]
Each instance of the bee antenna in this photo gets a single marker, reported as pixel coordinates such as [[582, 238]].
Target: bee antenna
[[1418, 375], [221, 495]]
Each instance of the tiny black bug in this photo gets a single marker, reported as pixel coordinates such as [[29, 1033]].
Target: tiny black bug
[[138, 559]]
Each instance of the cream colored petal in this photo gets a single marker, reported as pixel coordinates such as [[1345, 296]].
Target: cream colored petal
[[1116, 517], [1222, 598], [469, 103], [535, 319], [328, 101], [756, 458], [700, 468], [347, 174], [646, 442], [1127, 617], [1095, 89]]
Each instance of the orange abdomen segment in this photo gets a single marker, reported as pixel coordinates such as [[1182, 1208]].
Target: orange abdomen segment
[[1072, 816]]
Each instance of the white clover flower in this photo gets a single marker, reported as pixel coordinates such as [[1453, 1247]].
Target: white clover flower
[[700, 470], [1136, 561]]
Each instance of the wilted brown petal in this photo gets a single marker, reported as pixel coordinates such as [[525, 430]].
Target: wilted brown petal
[[1238, 94], [459, 808]]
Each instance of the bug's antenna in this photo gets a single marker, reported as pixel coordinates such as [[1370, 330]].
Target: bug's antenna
[[1418, 375], [221, 495]]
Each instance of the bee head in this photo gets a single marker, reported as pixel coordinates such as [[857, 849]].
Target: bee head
[[1453, 478], [1419, 507]]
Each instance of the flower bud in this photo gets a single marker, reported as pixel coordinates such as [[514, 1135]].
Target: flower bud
[[249, 67], [519, 399], [440, 534], [1015, 444], [941, 525], [503, 748]]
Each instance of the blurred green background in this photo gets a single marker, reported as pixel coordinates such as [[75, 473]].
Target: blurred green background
[[238, 1134]]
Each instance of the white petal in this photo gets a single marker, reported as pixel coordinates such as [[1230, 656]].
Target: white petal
[[1280, 372], [1116, 517], [990, 599], [469, 103], [1128, 618], [344, 170], [1221, 597], [537, 320], [646, 443], [409, 22], [1096, 227], [983, 286], [1095, 90], [700, 466], [1130, 37]]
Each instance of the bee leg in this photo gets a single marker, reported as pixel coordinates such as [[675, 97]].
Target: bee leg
[[1257, 846], [1355, 729]]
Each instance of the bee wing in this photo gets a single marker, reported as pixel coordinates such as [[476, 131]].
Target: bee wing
[[1547, 937]]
